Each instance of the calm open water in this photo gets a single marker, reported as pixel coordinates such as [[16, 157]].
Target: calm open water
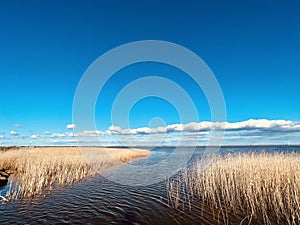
[[97, 200]]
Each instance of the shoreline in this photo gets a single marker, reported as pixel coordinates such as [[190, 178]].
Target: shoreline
[[10, 147]]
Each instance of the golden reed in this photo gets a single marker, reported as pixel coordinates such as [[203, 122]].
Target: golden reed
[[40, 168], [255, 185]]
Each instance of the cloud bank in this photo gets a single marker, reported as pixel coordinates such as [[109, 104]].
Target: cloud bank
[[253, 131], [260, 124]]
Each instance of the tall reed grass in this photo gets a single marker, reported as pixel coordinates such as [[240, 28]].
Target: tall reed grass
[[37, 169], [264, 185]]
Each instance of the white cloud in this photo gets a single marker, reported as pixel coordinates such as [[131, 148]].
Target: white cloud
[[12, 132], [257, 124], [55, 135], [91, 133], [18, 125], [114, 129], [70, 134], [86, 133], [143, 130], [71, 126], [35, 136], [1, 136]]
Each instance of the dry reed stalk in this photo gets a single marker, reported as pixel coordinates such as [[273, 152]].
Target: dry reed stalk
[[254, 184], [35, 169]]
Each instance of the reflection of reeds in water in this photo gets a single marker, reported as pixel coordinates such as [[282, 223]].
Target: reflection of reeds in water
[[255, 185], [35, 169]]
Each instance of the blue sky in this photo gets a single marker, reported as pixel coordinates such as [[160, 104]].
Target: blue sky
[[252, 47]]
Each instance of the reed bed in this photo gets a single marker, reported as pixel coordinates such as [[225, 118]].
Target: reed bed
[[254, 185], [38, 169]]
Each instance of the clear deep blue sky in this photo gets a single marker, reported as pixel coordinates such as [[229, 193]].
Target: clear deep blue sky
[[252, 47]]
